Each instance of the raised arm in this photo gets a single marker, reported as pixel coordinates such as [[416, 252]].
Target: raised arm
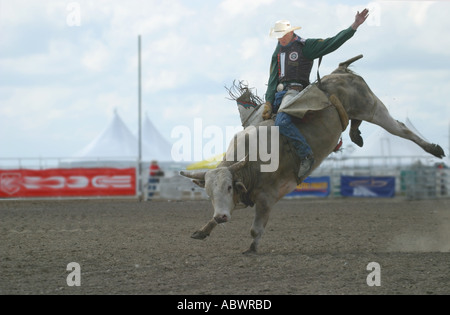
[[315, 48], [360, 18]]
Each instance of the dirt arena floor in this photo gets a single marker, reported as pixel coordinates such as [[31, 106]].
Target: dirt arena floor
[[311, 246]]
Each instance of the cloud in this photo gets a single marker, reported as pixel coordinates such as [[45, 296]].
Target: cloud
[[250, 48], [243, 7], [54, 60], [97, 58], [57, 76], [32, 107], [419, 12]]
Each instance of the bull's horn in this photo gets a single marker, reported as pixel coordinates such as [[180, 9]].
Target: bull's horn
[[194, 175], [238, 165], [347, 63]]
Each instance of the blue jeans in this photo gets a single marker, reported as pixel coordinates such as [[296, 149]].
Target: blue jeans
[[288, 129]]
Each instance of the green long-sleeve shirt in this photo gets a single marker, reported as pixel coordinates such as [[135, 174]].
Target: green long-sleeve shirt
[[312, 49]]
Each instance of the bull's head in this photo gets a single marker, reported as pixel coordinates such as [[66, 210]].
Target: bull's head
[[222, 186]]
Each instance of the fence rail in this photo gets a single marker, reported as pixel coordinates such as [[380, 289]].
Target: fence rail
[[412, 181]]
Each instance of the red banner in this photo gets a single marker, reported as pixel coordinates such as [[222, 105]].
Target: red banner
[[75, 182]]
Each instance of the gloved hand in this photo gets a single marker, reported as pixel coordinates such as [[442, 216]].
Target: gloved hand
[[267, 112]]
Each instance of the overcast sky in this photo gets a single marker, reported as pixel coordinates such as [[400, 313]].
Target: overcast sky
[[65, 66]]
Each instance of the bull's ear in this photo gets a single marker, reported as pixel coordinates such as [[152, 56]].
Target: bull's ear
[[240, 186], [200, 183]]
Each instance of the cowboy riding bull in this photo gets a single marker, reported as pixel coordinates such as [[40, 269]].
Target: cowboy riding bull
[[238, 181]]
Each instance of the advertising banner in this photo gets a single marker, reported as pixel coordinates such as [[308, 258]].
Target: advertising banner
[[312, 186], [368, 186], [75, 182]]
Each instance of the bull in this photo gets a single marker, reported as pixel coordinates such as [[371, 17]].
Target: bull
[[238, 180]]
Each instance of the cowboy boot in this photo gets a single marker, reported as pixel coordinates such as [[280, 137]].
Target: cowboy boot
[[306, 164]]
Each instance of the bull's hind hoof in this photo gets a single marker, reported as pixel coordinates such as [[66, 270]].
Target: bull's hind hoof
[[437, 151], [199, 235], [355, 136]]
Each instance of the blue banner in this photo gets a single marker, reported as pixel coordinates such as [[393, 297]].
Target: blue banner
[[312, 186], [368, 186]]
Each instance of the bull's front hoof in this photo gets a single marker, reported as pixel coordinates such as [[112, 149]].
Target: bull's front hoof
[[199, 235], [251, 250]]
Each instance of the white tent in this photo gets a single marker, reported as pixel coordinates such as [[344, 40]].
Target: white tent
[[115, 141], [154, 146], [116, 145]]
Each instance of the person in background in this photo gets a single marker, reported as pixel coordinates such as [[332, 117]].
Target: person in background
[[155, 170], [155, 174]]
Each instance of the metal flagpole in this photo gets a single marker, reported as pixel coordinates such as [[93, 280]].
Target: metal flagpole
[[140, 192]]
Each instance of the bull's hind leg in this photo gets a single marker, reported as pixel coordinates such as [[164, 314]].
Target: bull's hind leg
[[382, 118], [355, 134]]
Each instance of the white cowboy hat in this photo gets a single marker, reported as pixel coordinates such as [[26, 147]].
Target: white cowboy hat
[[281, 28]]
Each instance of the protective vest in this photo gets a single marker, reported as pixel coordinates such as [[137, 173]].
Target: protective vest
[[292, 65]]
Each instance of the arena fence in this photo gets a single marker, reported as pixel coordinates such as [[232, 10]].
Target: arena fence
[[413, 181], [410, 183]]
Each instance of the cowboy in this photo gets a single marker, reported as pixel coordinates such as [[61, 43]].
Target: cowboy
[[290, 69]]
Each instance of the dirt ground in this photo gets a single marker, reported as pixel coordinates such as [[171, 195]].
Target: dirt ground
[[311, 246]]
